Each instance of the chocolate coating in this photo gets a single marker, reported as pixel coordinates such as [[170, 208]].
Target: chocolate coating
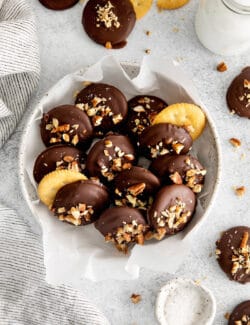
[[115, 217], [232, 258], [58, 157], [105, 105], [58, 4], [164, 138], [240, 313], [66, 124], [110, 156], [81, 202], [238, 94], [133, 187], [109, 21], [141, 112], [122, 226], [179, 169], [172, 209]]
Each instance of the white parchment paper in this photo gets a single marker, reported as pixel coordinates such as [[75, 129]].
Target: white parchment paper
[[73, 253]]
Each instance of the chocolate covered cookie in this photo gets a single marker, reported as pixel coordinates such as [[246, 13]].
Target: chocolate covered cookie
[[141, 112], [110, 156], [58, 4], [171, 210], [66, 124], [180, 169], [135, 187], [238, 94], [122, 226], [81, 202], [58, 157], [233, 253], [109, 22], [240, 314], [105, 105], [163, 139]]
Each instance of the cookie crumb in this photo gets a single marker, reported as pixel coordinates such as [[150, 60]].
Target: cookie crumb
[[135, 298], [147, 51], [240, 191], [148, 33], [227, 316], [175, 30], [222, 67], [235, 142]]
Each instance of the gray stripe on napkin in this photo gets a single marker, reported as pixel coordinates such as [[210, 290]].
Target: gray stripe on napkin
[[19, 63], [25, 298]]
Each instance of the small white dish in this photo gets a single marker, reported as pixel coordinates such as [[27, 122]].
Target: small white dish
[[185, 302]]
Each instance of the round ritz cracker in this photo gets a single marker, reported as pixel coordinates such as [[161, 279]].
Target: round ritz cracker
[[171, 4], [141, 7], [52, 182], [185, 115]]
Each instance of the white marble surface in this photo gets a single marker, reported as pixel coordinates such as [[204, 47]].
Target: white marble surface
[[64, 49]]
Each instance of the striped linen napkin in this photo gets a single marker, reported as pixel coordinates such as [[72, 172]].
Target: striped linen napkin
[[25, 297]]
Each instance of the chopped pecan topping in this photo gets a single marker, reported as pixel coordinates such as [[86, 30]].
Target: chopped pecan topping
[[106, 16], [222, 67], [137, 189], [240, 191], [235, 142], [246, 84], [76, 214], [176, 178], [241, 256], [127, 234], [173, 216], [135, 298]]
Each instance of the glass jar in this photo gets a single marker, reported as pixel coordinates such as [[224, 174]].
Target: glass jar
[[223, 26]]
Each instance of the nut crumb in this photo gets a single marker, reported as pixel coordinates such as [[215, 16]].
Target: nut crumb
[[147, 51], [235, 142], [135, 298], [240, 191], [108, 45], [222, 67], [197, 282], [148, 33], [227, 316]]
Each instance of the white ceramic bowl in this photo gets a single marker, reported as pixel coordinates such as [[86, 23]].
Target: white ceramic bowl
[[184, 302], [206, 148]]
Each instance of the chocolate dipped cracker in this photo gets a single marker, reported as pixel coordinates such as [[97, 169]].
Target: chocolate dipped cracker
[[241, 314], [180, 169], [105, 105], [109, 22], [66, 124], [110, 156], [122, 226], [58, 157], [141, 112], [233, 253], [135, 187], [238, 94], [58, 4], [171, 210], [163, 139], [81, 202]]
